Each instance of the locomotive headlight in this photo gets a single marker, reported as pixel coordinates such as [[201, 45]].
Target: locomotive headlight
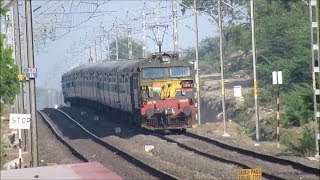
[[183, 92], [165, 59], [150, 112], [187, 110]]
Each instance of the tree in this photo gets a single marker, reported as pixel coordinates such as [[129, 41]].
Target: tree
[[231, 11], [9, 86]]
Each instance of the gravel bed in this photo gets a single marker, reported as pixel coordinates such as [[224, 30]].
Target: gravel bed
[[51, 150], [166, 156], [286, 172], [214, 131], [93, 151]]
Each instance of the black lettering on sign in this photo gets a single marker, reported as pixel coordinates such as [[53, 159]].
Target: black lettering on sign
[[13, 120]]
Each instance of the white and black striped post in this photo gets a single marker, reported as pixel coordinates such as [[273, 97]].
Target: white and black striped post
[[314, 36], [277, 80]]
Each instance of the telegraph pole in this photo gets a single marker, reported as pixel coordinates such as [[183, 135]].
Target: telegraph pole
[[159, 43], [108, 48], [18, 53], [255, 82], [175, 25], [314, 27], [197, 62], [144, 35], [18, 58], [225, 134], [30, 56], [129, 44]]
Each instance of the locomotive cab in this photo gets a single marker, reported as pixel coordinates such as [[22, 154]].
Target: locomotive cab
[[167, 93]]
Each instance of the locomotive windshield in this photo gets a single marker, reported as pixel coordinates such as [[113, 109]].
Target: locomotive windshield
[[179, 71], [155, 72]]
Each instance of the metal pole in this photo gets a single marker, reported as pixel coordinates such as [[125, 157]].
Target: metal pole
[[18, 52], [31, 64], [225, 134], [100, 48], [26, 88], [278, 116], [95, 51], [144, 34], [197, 63], [255, 82], [18, 58], [129, 44], [117, 50], [175, 25], [159, 43], [109, 58], [314, 27]]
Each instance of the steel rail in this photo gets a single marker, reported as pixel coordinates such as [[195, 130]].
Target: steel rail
[[129, 157], [264, 157], [213, 157], [54, 131]]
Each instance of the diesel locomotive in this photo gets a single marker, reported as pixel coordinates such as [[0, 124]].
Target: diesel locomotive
[[156, 92]]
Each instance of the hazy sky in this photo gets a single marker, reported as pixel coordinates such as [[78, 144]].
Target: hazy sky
[[52, 20]]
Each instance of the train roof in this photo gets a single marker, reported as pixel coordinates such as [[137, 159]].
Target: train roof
[[122, 66], [107, 66]]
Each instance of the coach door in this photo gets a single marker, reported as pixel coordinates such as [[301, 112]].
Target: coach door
[[135, 86]]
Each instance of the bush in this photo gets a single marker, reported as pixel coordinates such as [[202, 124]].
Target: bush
[[298, 106], [248, 99], [268, 129], [243, 128], [285, 139], [306, 144]]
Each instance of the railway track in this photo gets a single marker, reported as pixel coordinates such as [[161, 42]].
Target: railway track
[[74, 151], [272, 167], [154, 172], [263, 157]]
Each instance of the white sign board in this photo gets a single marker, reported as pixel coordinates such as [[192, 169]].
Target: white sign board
[[277, 77], [237, 91], [20, 121]]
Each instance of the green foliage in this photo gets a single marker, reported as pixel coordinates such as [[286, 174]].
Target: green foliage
[[268, 129], [298, 106], [288, 49], [307, 142], [248, 99], [243, 128], [2, 11], [282, 44], [265, 94], [285, 139], [1, 152], [8, 76], [305, 145]]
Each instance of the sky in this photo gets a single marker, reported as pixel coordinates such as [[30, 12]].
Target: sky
[[58, 50]]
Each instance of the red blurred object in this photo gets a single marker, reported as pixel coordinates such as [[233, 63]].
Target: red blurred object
[[90, 170]]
